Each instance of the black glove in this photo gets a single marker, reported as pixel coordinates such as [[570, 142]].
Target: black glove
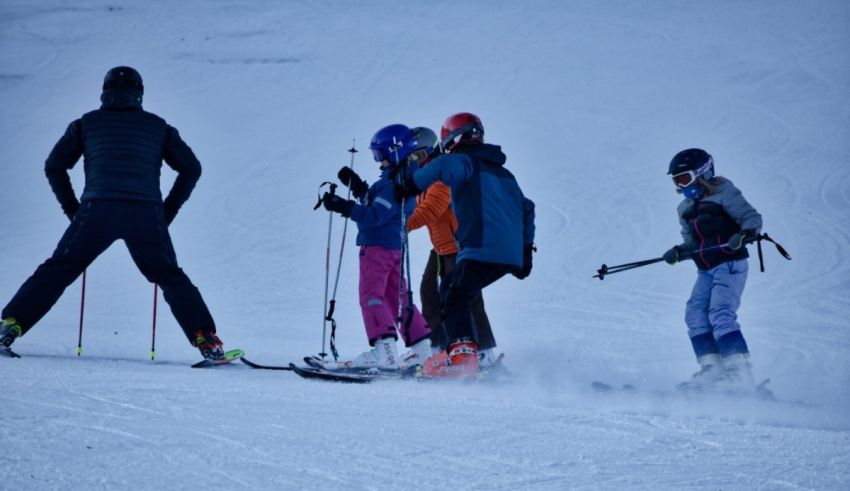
[[405, 189], [71, 209], [169, 211], [335, 203], [738, 240], [523, 272], [350, 178], [672, 255]]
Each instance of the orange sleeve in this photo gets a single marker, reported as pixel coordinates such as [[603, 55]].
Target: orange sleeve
[[430, 206]]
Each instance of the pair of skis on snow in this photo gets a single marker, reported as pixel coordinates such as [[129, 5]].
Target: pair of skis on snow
[[761, 391], [314, 369]]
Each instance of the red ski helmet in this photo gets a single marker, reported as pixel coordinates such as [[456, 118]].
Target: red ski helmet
[[461, 128]]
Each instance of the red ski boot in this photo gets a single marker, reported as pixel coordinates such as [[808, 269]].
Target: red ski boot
[[458, 361]]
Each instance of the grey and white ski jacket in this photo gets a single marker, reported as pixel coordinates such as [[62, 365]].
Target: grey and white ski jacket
[[709, 222]]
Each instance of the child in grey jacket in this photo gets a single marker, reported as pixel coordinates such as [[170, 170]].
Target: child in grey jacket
[[716, 222]]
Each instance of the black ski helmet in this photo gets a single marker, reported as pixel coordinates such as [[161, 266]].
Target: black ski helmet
[[695, 160], [426, 144], [123, 77]]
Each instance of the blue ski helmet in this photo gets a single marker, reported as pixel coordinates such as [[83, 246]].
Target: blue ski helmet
[[392, 143], [426, 145]]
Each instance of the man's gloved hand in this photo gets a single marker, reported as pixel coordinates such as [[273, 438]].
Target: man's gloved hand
[[738, 240], [71, 209], [672, 255], [350, 178], [334, 203], [527, 253], [405, 189], [169, 211]]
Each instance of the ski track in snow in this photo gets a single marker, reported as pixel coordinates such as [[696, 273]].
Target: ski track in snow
[[589, 102]]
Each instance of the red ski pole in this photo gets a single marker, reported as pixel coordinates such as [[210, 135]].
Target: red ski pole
[[153, 331], [82, 308]]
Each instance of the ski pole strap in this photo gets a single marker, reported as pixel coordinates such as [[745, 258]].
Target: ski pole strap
[[322, 185], [333, 340], [330, 317], [781, 250]]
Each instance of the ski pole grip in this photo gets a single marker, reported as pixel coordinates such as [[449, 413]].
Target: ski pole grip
[[321, 196], [332, 306]]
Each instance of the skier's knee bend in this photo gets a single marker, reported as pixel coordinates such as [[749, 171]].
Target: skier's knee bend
[[168, 277]]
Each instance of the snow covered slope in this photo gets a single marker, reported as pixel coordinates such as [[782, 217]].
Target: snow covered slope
[[589, 100]]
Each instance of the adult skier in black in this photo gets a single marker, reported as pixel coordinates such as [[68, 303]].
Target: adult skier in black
[[123, 147]]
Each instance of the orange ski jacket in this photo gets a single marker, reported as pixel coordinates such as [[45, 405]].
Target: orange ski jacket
[[434, 210]]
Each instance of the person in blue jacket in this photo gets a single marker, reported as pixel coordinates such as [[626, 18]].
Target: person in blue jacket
[[379, 225], [123, 148], [495, 233]]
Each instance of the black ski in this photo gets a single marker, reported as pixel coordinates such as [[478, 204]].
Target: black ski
[[322, 374], [316, 370], [8, 353], [375, 373], [263, 367]]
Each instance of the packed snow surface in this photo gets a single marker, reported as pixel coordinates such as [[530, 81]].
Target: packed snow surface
[[589, 100]]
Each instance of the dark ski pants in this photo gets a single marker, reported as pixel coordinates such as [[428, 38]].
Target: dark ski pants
[[460, 292], [437, 271], [95, 227]]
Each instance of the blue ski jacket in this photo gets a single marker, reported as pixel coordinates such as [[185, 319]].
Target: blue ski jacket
[[378, 214], [495, 220]]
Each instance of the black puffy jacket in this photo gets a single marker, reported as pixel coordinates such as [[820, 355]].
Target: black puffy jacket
[[710, 222], [123, 148]]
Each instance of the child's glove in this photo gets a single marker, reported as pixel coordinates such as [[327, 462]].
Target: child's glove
[[350, 178], [738, 240], [405, 189], [334, 203], [672, 255]]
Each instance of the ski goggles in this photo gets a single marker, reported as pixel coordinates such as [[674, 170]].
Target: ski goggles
[[453, 138], [424, 155], [384, 153], [685, 179], [380, 154]]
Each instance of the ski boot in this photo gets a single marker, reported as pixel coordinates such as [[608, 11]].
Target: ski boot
[[9, 332], [383, 356], [738, 374], [416, 355], [209, 345], [459, 361], [710, 373]]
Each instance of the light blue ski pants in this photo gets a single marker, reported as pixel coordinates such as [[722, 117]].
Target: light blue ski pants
[[715, 299]]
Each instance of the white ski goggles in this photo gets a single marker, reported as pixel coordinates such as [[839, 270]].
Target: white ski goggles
[[685, 179]]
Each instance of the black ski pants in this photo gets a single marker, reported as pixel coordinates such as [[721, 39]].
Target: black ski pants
[[461, 291], [437, 271], [95, 227]]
